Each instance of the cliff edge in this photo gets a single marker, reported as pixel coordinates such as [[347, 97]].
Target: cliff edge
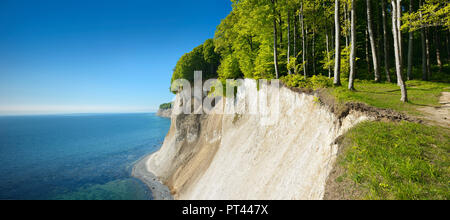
[[165, 110], [165, 113], [253, 156]]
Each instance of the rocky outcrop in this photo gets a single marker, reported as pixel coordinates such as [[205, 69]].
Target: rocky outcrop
[[165, 113], [254, 156]]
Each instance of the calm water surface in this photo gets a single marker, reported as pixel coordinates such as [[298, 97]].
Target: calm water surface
[[76, 156]]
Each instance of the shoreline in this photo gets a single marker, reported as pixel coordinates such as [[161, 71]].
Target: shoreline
[[158, 189]]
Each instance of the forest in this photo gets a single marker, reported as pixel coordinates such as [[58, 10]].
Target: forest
[[331, 41]]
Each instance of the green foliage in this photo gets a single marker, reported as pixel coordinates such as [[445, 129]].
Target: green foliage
[[243, 44], [229, 68], [327, 61], [314, 82], [432, 13], [387, 160], [202, 58], [210, 56], [319, 82], [293, 66], [165, 106], [189, 63], [264, 66], [295, 81], [245, 34], [345, 61]]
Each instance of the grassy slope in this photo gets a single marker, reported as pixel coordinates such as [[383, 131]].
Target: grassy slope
[[387, 95], [387, 160], [396, 161]]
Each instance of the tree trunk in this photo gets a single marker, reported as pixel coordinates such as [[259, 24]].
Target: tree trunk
[[337, 65], [395, 31], [289, 42], [410, 47], [328, 53], [437, 42], [424, 49], [379, 39], [275, 51], [332, 39], [306, 48], [448, 46], [345, 22], [399, 26], [399, 35], [427, 49], [348, 28], [372, 42], [303, 40], [351, 77], [295, 35], [281, 30], [314, 39], [314, 52], [327, 44], [369, 69], [424, 56], [385, 44]]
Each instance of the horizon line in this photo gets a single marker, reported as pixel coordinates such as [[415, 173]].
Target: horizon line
[[71, 109], [74, 113]]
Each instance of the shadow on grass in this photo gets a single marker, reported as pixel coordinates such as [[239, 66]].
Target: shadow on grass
[[395, 90], [424, 89], [422, 105], [391, 92]]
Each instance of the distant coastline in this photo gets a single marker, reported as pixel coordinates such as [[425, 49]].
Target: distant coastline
[[165, 113], [165, 110]]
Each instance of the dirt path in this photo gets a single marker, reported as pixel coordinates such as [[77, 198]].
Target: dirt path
[[439, 115]]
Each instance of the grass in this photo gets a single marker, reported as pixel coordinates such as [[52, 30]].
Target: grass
[[390, 160], [403, 161], [387, 95]]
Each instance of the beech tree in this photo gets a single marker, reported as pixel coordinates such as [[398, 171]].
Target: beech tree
[[337, 31], [372, 41], [410, 46], [269, 39], [396, 10], [302, 21], [275, 51], [353, 46], [385, 44]]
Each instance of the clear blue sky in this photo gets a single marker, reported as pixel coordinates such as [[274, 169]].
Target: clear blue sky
[[62, 56]]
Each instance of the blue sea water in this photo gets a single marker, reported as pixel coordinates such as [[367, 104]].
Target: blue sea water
[[76, 156]]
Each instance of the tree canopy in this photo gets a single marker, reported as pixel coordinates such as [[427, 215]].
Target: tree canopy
[[266, 39], [202, 58]]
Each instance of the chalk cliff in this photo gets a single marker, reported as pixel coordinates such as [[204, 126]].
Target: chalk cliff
[[165, 113], [253, 156]]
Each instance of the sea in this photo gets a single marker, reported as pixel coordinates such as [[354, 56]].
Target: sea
[[76, 157]]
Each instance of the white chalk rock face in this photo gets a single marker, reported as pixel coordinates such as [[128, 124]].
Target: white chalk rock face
[[165, 113], [283, 152]]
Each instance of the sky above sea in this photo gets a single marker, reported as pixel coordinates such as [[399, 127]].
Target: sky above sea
[[91, 56]]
